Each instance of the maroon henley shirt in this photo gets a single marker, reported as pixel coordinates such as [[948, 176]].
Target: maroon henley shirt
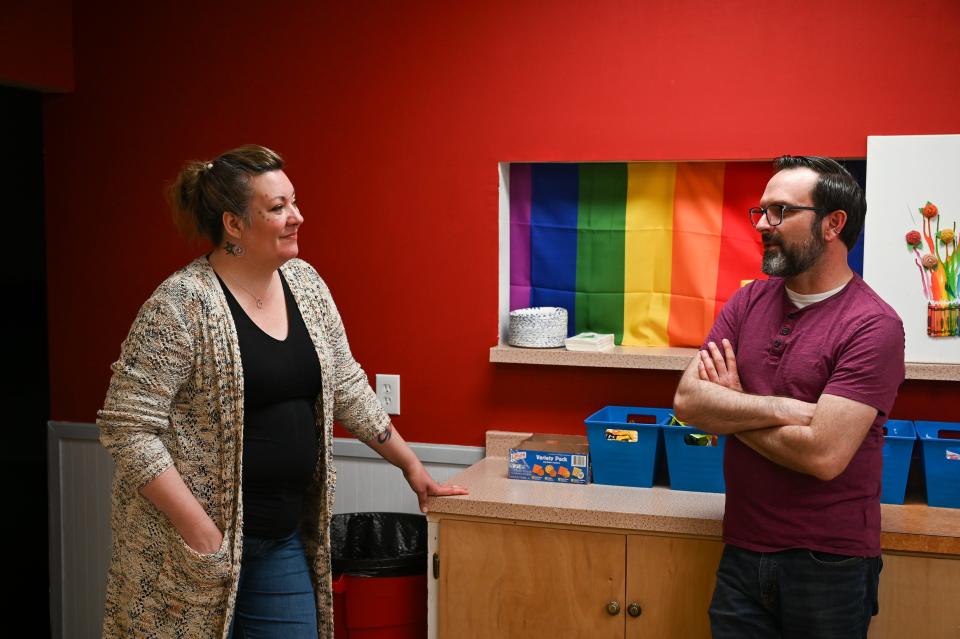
[[850, 345]]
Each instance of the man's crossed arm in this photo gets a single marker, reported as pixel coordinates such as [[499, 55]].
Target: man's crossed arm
[[816, 439]]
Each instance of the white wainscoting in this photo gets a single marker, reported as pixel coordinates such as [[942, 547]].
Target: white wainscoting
[[367, 483], [80, 473]]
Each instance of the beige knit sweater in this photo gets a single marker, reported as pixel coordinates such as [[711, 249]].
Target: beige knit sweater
[[176, 399]]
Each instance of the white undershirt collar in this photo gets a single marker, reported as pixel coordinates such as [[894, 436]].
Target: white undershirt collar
[[800, 301]]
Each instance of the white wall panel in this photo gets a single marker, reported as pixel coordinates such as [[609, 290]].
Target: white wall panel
[[366, 483], [80, 476], [80, 472]]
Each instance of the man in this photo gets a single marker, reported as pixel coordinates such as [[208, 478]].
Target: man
[[801, 371]]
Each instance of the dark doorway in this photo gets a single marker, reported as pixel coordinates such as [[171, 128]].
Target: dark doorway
[[26, 394]]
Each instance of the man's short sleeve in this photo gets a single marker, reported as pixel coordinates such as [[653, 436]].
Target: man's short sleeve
[[870, 366], [727, 324]]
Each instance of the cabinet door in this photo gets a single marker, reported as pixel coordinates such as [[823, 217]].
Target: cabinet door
[[672, 580], [503, 580], [918, 598]]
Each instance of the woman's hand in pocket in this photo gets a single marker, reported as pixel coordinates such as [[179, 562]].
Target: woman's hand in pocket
[[172, 497], [204, 537]]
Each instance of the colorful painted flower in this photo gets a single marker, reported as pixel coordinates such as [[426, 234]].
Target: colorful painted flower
[[929, 210], [946, 236], [929, 261], [913, 238]]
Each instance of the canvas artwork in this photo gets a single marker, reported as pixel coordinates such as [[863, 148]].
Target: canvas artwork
[[910, 258]]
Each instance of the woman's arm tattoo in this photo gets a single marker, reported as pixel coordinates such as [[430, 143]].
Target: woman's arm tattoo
[[385, 436]]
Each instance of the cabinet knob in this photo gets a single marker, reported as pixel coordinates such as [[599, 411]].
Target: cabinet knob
[[613, 608], [634, 609]]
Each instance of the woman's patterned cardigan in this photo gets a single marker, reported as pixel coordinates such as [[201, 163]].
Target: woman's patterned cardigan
[[176, 399]]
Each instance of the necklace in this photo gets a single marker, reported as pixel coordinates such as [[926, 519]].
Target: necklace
[[258, 298]]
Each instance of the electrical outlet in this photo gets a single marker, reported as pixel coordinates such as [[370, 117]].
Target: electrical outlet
[[388, 392]]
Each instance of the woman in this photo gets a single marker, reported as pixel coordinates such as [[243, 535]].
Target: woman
[[219, 417]]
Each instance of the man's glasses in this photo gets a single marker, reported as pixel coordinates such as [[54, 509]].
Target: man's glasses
[[775, 212]]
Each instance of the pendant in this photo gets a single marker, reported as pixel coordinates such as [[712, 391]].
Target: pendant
[[259, 302]]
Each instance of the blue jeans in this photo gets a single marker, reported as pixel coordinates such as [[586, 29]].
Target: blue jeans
[[793, 593], [275, 598]]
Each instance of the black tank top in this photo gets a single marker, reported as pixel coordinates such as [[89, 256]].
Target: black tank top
[[281, 447]]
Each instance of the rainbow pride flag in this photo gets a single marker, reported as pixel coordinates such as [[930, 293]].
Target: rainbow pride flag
[[648, 251]]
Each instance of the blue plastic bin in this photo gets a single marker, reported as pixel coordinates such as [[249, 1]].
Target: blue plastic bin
[[625, 463], [691, 467], [897, 451], [941, 462]]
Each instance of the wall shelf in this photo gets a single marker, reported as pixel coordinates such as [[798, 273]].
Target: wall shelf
[[671, 359]]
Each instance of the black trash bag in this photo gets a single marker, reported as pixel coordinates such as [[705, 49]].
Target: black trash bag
[[378, 544]]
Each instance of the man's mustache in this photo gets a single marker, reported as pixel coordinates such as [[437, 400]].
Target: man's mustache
[[769, 239]]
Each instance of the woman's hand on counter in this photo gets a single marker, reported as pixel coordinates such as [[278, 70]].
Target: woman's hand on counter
[[390, 446], [426, 486]]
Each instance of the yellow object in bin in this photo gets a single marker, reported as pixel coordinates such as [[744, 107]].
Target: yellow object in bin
[[620, 435]]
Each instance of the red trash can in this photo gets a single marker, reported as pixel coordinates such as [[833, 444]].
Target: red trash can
[[379, 575]]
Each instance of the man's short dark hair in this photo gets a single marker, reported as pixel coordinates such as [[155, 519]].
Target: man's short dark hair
[[835, 189]]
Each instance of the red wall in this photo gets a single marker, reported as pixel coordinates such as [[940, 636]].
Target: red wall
[[36, 43], [393, 116]]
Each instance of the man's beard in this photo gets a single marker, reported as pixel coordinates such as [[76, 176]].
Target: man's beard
[[791, 261]]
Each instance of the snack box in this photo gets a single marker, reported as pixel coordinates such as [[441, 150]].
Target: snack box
[[561, 459]]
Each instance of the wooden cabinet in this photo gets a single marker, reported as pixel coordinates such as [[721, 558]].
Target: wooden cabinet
[[505, 579], [518, 558], [511, 579], [918, 597], [672, 579]]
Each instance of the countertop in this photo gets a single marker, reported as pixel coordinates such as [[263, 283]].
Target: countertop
[[912, 527]]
